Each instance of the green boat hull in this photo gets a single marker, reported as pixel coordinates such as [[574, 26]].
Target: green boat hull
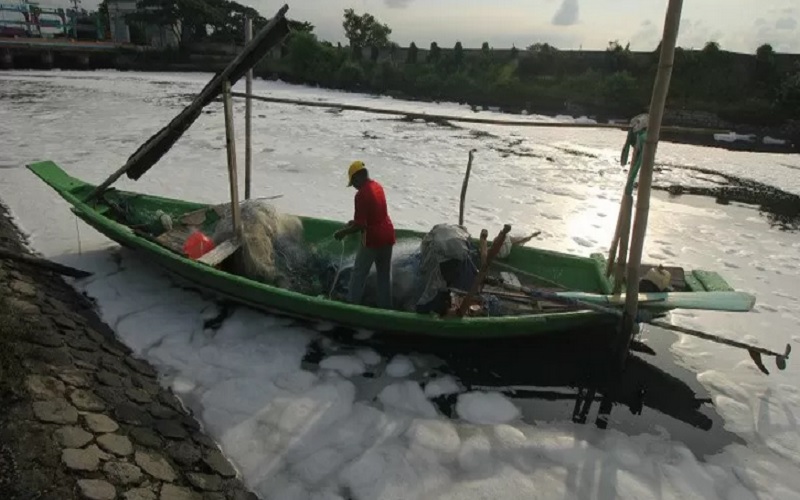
[[584, 274]]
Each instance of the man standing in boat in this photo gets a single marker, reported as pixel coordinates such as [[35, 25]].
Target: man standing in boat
[[371, 218]]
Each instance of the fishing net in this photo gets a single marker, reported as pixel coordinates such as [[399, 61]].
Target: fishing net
[[273, 248], [405, 277], [443, 243]]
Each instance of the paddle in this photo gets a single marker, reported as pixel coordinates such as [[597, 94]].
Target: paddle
[[754, 351]]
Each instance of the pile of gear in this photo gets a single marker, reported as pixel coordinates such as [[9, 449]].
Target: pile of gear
[[425, 272]]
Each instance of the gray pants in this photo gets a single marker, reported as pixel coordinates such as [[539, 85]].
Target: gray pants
[[382, 258]]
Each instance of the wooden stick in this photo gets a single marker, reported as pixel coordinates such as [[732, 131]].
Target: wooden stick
[[158, 144], [660, 89], [248, 113], [482, 246], [612, 252], [44, 264], [464, 188], [484, 270], [533, 276], [624, 238], [230, 146], [464, 119]]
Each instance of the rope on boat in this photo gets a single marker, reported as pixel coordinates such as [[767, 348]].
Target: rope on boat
[[338, 270]]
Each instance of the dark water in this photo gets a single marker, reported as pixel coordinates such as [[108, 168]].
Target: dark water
[[779, 208], [558, 379]]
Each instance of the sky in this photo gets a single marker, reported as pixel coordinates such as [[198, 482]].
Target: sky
[[737, 25]]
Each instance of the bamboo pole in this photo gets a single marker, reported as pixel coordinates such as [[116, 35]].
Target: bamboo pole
[[230, 146], [624, 238], [248, 114], [660, 90], [463, 119], [464, 188], [612, 252]]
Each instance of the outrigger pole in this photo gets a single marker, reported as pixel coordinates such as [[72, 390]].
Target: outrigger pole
[[161, 142], [660, 90]]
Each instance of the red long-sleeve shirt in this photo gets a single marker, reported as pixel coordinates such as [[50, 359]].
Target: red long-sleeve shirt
[[371, 212]]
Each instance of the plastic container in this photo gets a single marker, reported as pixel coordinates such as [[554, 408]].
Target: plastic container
[[197, 245]]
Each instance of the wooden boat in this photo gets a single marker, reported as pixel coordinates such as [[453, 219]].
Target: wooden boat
[[544, 291], [577, 277]]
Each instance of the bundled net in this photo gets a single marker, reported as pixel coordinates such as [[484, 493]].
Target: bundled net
[[418, 275], [273, 249], [443, 243], [405, 277]]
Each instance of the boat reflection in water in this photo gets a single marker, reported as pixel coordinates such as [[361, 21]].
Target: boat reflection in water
[[556, 379]]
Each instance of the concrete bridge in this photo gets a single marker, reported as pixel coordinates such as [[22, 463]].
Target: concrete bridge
[[47, 53]]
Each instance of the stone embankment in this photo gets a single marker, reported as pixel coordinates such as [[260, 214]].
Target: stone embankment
[[81, 416]]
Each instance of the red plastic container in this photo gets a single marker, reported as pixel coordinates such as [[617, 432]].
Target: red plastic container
[[197, 245]]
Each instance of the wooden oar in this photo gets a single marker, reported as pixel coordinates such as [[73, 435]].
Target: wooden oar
[[754, 351]]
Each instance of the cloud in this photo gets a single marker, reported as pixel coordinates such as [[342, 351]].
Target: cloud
[[397, 4], [567, 14], [646, 37], [786, 23]]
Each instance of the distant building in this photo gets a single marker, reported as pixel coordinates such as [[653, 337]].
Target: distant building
[[154, 36]]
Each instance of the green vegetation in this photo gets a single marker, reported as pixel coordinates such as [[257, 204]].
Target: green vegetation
[[736, 87]]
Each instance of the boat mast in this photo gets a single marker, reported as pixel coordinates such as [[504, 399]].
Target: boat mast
[[657, 103]]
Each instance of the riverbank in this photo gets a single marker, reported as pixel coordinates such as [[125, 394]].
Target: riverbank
[[734, 132], [84, 418]]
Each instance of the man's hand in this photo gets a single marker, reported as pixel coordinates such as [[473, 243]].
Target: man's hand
[[346, 230]]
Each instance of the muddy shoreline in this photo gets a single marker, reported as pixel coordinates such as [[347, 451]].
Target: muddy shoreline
[[83, 417]]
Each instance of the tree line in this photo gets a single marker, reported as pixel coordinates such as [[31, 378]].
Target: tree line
[[539, 78]]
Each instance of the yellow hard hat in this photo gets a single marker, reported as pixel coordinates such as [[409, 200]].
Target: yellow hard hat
[[354, 167]]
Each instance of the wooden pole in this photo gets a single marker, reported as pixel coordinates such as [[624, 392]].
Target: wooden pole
[[657, 103], [612, 252], [624, 238], [248, 114], [464, 188], [158, 144], [230, 146], [477, 285], [465, 119]]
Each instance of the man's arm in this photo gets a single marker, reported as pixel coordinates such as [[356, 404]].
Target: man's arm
[[350, 228], [359, 222]]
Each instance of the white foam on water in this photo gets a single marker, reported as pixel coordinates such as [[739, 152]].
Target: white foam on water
[[298, 431], [400, 366], [346, 365], [442, 386], [486, 408]]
